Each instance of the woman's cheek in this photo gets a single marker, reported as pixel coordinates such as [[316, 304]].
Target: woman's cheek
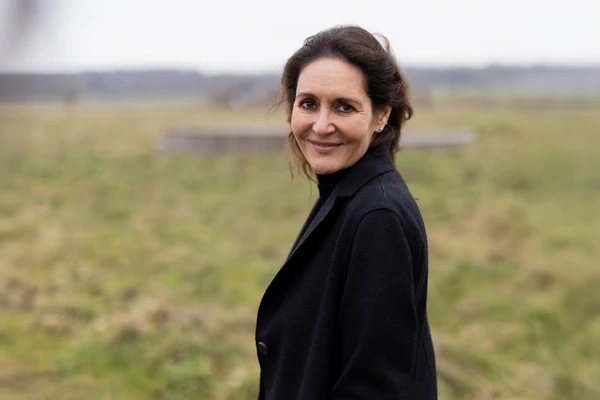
[[299, 125]]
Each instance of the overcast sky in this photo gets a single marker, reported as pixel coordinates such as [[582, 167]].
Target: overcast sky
[[236, 36]]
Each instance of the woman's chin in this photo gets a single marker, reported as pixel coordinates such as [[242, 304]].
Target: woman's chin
[[325, 168]]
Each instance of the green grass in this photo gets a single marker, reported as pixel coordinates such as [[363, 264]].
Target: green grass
[[127, 274]]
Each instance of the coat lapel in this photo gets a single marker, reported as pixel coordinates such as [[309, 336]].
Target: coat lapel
[[309, 219], [314, 222]]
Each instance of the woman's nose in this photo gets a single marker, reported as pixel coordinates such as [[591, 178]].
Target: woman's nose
[[323, 125]]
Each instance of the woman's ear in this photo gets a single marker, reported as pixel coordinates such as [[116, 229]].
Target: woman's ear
[[382, 116]]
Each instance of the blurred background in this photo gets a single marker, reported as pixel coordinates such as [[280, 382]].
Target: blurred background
[[146, 201]]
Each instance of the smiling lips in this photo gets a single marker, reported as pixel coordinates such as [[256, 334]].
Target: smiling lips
[[324, 147]]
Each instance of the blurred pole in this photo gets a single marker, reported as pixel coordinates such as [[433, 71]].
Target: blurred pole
[[21, 17]]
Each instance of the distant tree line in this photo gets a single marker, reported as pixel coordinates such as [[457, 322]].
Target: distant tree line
[[243, 89]]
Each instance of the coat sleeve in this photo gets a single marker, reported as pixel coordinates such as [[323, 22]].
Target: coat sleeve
[[377, 316]]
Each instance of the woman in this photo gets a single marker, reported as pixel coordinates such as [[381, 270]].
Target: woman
[[345, 317]]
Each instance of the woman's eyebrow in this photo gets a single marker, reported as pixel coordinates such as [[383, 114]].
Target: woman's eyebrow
[[337, 100], [305, 94]]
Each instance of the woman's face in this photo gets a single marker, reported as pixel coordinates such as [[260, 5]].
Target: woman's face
[[332, 117]]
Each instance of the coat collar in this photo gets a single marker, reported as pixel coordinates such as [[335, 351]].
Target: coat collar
[[361, 173], [358, 175]]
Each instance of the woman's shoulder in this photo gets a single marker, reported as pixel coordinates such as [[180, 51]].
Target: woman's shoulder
[[387, 194], [387, 190]]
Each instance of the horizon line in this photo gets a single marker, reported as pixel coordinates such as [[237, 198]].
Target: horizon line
[[272, 71]]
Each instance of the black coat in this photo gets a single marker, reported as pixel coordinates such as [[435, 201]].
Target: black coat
[[345, 317]]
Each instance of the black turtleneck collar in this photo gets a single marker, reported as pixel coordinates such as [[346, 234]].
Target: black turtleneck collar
[[327, 183]]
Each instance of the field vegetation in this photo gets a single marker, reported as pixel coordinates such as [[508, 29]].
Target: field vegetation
[[129, 274]]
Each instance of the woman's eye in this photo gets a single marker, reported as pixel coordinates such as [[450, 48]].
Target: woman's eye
[[308, 104], [346, 108]]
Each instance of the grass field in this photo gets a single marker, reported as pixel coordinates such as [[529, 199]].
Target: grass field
[[126, 274]]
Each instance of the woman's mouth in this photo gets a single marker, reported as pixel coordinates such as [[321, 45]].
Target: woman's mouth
[[324, 147]]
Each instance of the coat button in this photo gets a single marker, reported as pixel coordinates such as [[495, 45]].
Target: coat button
[[263, 348]]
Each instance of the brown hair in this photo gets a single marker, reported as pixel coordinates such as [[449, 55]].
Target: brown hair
[[384, 81]]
